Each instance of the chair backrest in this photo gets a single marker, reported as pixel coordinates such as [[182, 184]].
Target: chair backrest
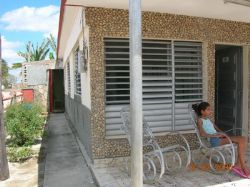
[[148, 137], [194, 117]]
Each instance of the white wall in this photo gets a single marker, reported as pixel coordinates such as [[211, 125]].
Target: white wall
[[76, 38], [72, 75], [74, 35], [85, 77]]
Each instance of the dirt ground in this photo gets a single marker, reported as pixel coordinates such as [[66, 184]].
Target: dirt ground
[[31, 172], [22, 174]]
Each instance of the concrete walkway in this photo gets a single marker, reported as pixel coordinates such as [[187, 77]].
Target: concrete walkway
[[65, 165]]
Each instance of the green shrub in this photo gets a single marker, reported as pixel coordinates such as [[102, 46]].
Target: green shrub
[[18, 154], [24, 123]]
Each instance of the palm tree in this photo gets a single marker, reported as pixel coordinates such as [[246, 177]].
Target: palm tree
[[52, 43], [16, 65], [27, 53], [33, 54]]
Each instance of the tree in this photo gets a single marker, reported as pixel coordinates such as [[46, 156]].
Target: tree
[[52, 42], [5, 74], [39, 53], [16, 65], [4, 168], [35, 53], [12, 79]]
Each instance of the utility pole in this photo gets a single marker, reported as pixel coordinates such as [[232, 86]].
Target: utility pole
[[4, 168]]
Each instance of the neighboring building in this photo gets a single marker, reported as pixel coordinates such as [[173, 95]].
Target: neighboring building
[[192, 50], [35, 75]]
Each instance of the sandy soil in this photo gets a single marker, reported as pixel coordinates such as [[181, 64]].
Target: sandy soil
[[27, 174], [22, 174]]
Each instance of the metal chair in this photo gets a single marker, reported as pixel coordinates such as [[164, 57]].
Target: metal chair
[[155, 158], [218, 159]]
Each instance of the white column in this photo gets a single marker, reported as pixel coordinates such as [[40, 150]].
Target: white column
[[136, 92]]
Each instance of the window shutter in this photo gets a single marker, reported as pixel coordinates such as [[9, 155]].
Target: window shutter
[[157, 84], [65, 77], [68, 77], [188, 80], [117, 82], [77, 74], [169, 82]]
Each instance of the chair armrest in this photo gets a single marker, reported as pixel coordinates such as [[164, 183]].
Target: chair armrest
[[232, 130], [228, 138]]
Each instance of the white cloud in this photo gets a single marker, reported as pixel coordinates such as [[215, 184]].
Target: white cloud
[[9, 51], [43, 19]]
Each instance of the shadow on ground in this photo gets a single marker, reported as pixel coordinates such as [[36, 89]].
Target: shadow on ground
[[42, 155]]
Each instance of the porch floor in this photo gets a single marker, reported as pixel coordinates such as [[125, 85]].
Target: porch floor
[[111, 173], [115, 176]]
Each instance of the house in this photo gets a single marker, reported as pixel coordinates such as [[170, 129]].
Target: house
[[35, 81], [192, 50]]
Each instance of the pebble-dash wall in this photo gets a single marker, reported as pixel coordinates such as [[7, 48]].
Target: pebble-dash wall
[[114, 23]]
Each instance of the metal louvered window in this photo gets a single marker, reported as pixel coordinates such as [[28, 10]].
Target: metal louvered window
[[188, 71], [65, 75], [68, 77], [172, 78], [77, 74]]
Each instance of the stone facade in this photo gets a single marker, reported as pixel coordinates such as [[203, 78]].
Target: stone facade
[[41, 95], [114, 23]]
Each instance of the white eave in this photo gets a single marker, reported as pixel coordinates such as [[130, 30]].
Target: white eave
[[216, 9], [201, 8]]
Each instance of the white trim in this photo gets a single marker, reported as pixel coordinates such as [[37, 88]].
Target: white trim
[[199, 8], [205, 70], [245, 82]]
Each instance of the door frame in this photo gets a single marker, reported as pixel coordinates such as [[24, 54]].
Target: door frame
[[245, 82]]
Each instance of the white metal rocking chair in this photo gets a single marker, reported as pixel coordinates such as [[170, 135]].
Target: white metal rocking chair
[[155, 162], [218, 159]]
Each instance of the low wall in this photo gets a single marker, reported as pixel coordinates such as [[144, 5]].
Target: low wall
[[79, 117]]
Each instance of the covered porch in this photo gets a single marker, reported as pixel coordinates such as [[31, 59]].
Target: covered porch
[[211, 22]]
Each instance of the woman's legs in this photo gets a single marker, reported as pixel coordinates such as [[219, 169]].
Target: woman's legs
[[241, 142]]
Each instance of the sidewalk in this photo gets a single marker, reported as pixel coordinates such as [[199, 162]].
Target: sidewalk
[[65, 165]]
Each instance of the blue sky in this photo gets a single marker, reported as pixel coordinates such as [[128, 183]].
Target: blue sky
[[26, 20]]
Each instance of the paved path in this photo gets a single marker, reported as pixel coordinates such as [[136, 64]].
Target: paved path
[[65, 165]]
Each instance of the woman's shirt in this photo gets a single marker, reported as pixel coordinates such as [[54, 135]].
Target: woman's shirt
[[208, 126]]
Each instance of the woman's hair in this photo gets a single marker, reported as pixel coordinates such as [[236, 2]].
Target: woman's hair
[[199, 107]]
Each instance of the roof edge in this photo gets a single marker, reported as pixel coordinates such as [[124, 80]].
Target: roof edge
[[62, 8]]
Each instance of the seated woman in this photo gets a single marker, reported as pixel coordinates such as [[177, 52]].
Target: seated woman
[[208, 129]]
